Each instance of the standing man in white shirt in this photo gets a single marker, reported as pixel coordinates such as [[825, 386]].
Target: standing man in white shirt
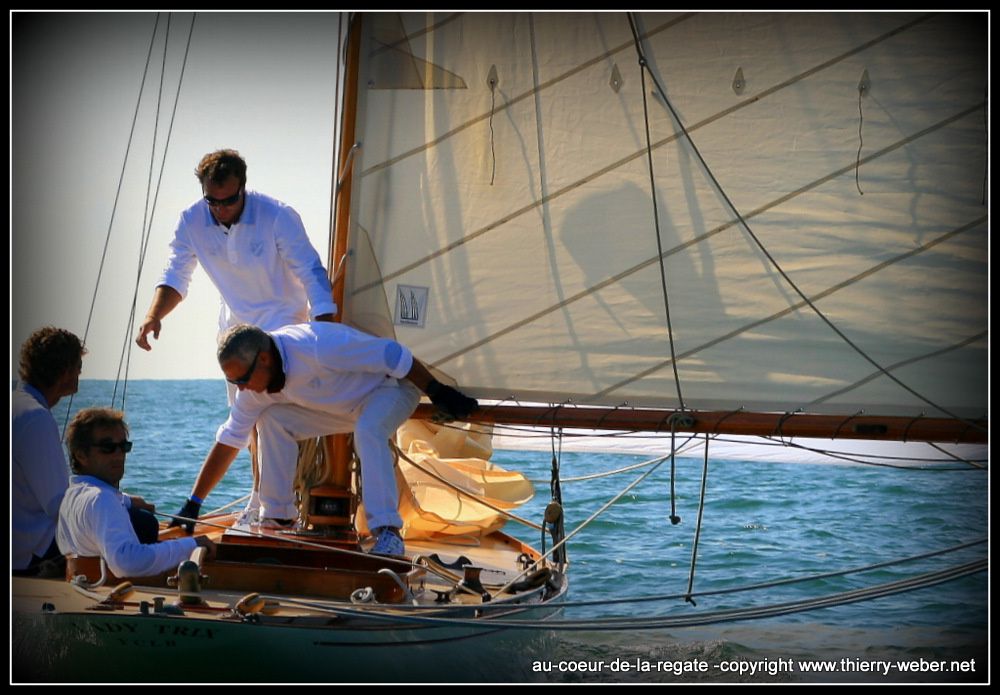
[[51, 361], [94, 518], [315, 379], [255, 250]]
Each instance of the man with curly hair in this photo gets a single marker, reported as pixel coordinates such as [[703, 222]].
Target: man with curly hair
[[51, 361]]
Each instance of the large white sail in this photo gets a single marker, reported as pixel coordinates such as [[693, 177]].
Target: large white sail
[[503, 218]]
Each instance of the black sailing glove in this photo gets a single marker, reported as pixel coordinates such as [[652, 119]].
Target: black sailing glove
[[451, 403], [190, 510]]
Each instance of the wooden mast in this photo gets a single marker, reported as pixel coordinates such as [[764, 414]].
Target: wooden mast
[[335, 488]]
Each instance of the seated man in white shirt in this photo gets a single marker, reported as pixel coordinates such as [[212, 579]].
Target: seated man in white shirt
[[94, 515], [313, 379]]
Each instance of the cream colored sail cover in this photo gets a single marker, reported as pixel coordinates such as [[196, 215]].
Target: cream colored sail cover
[[437, 467], [503, 223]]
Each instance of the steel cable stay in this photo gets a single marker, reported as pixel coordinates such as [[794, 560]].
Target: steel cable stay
[[775, 583], [124, 359], [905, 585], [400, 613], [853, 458], [149, 210], [856, 458], [114, 207]]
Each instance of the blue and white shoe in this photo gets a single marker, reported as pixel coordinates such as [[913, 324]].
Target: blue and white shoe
[[388, 542]]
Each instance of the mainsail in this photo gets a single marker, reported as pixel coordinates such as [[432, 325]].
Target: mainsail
[[752, 212]]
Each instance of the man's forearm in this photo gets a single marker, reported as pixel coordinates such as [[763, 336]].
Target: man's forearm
[[419, 375], [165, 300], [213, 469]]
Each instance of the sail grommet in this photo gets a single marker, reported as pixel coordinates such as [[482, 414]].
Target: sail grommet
[[865, 84], [616, 80], [739, 84]]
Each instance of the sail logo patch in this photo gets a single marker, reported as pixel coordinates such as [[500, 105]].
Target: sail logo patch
[[411, 305]]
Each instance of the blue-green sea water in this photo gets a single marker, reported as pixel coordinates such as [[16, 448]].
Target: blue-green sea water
[[762, 522]]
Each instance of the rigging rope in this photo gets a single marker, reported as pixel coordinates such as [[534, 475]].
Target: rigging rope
[[760, 245], [674, 519], [588, 520], [876, 591], [697, 528], [114, 207], [660, 622], [148, 225], [763, 441], [656, 222], [956, 457], [852, 458], [126, 356], [555, 522], [493, 153], [775, 583], [861, 142]]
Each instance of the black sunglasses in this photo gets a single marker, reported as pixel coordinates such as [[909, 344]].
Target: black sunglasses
[[245, 379], [224, 202], [106, 446]]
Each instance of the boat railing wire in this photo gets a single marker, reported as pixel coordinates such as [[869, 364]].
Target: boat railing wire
[[703, 618], [697, 618]]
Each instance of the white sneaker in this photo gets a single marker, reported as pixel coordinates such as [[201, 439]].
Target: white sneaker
[[251, 514], [388, 542]]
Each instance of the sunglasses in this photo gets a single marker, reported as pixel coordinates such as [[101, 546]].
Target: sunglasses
[[245, 379], [224, 202], [106, 446]]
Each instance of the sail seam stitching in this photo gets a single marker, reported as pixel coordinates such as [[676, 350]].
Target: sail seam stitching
[[800, 304], [902, 363], [521, 97], [636, 155], [594, 61], [677, 249]]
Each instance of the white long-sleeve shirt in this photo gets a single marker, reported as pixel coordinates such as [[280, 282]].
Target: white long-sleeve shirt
[[264, 266], [94, 521], [328, 367], [38, 477]]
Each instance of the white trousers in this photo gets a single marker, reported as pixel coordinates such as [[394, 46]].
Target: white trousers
[[373, 422]]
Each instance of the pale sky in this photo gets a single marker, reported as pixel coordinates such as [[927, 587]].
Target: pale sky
[[260, 83]]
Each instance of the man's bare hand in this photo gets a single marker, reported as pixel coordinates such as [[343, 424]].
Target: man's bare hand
[[148, 325]]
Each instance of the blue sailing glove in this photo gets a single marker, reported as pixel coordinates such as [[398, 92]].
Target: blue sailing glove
[[190, 510], [451, 403]]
